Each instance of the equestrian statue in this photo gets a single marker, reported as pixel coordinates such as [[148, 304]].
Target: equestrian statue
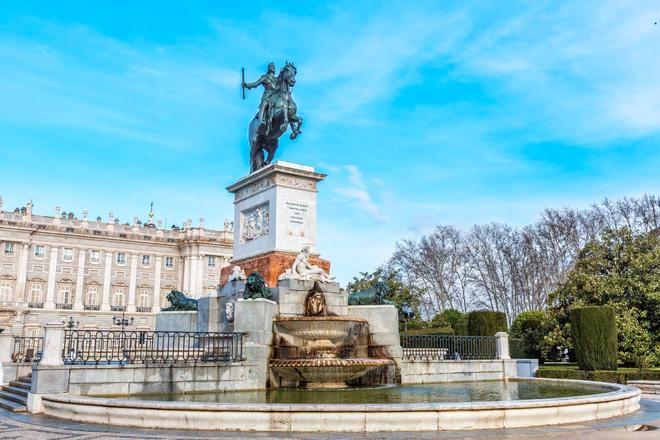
[[277, 111]]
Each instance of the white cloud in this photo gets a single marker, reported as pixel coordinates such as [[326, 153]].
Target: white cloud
[[358, 196]]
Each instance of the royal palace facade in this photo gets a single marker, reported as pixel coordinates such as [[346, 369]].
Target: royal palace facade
[[94, 274]]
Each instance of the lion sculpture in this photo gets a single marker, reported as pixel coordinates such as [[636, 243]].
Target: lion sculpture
[[179, 302], [255, 287], [374, 296]]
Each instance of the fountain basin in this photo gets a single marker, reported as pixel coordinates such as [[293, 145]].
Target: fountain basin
[[325, 372], [616, 400], [340, 330]]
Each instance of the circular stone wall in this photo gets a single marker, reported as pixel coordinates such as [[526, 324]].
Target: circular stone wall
[[347, 418]]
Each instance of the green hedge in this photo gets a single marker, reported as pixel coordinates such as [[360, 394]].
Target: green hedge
[[460, 328], [486, 323], [593, 330], [619, 376], [522, 319], [430, 331]]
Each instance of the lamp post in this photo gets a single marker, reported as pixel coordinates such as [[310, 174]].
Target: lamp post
[[123, 322], [70, 324]]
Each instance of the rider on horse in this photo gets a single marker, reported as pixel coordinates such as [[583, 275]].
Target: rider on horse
[[269, 81]]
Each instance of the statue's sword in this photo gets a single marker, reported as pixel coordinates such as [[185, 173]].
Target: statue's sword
[[243, 81]]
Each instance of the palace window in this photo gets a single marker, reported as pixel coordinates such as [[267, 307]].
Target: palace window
[[9, 248], [144, 298], [169, 262], [121, 258], [95, 257], [39, 251], [36, 292], [5, 290], [118, 297], [211, 261], [146, 260], [65, 293], [67, 254], [92, 296]]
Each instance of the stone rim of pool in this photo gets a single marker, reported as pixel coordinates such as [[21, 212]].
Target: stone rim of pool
[[622, 399]]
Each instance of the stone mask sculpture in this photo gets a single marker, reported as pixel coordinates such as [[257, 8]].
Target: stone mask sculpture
[[229, 311], [315, 302], [179, 302], [255, 287], [374, 296]]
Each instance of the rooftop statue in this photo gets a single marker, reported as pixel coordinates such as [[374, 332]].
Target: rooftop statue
[[277, 111], [303, 270]]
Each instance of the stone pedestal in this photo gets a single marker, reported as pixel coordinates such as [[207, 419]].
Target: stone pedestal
[[184, 321], [211, 316], [270, 266], [502, 345], [383, 328], [53, 345], [274, 218], [255, 317]]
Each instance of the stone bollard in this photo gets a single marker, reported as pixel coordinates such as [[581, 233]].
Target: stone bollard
[[53, 345], [502, 345]]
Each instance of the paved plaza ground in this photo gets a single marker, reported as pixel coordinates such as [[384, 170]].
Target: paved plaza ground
[[25, 426]]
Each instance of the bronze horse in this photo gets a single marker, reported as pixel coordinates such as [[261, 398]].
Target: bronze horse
[[282, 111]]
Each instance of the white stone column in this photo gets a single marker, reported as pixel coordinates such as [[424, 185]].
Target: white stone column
[[6, 345], [186, 273], [107, 272], [53, 344], [199, 280], [21, 276], [194, 275], [155, 304], [132, 282], [52, 279], [502, 345], [80, 278], [179, 273]]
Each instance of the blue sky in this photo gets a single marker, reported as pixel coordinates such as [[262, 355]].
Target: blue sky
[[421, 113]]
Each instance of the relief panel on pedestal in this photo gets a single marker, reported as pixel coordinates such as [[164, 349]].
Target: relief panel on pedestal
[[255, 223]]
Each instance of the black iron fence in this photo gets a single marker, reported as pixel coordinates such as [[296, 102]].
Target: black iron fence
[[439, 347], [27, 348], [147, 347]]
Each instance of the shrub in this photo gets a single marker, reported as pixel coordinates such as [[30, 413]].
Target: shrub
[[618, 269], [431, 331], [594, 337], [519, 322], [461, 327], [447, 318], [486, 323], [599, 376]]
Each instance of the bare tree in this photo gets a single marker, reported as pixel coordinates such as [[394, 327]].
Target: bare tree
[[500, 267]]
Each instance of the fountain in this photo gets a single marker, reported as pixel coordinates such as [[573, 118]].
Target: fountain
[[319, 350]]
